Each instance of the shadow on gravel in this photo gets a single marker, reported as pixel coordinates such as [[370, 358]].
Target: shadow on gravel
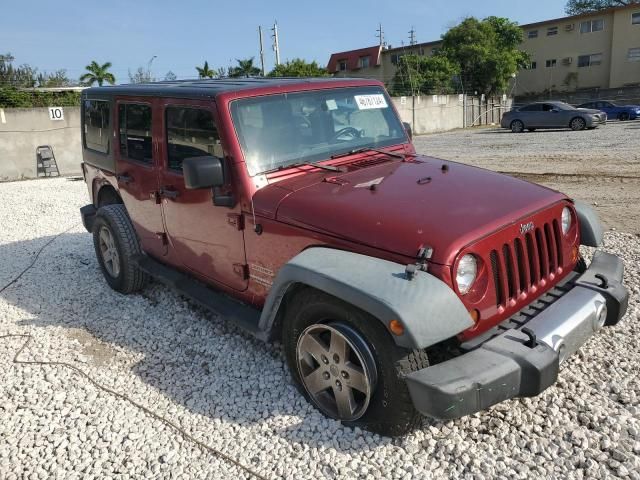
[[186, 353]]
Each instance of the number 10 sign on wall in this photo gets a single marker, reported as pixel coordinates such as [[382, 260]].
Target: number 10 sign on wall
[[56, 113]]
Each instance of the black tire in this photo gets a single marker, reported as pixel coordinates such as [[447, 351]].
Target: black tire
[[581, 266], [577, 123], [517, 126], [390, 411], [623, 117], [129, 278]]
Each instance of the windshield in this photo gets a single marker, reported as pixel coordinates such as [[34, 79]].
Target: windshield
[[279, 130]]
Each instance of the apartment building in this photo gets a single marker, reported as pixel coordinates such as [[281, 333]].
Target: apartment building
[[595, 50]]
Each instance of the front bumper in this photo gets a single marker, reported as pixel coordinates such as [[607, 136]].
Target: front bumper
[[521, 358]]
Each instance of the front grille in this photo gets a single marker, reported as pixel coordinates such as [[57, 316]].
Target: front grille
[[525, 264]]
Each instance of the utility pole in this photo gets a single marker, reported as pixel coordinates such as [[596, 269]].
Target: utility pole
[[380, 35], [276, 44], [412, 36], [261, 49]]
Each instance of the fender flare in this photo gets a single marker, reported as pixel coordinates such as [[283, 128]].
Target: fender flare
[[591, 233], [427, 307]]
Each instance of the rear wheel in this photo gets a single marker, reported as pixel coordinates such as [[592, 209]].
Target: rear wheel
[[345, 362], [517, 126], [624, 116], [577, 123], [116, 244]]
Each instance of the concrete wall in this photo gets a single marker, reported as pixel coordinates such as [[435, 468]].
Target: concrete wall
[[22, 130], [431, 113]]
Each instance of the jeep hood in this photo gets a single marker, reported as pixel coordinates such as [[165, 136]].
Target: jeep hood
[[399, 206]]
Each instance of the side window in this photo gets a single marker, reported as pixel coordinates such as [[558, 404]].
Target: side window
[[135, 132], [547, 107], [191, 132], [532, 108], [96, 125]]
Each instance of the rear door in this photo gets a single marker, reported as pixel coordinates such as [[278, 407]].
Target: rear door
[[137, 167], [204, 239]]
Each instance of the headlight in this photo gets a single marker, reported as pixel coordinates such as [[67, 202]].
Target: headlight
[[566, 220], [466, 273]]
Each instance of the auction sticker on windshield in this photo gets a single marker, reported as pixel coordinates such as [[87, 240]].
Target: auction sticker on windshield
[[366, 102]]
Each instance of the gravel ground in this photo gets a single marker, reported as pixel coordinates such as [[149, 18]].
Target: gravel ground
[[234, 393], [601, 166]]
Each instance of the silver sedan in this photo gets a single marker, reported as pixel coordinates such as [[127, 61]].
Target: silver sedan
[[551, 115]]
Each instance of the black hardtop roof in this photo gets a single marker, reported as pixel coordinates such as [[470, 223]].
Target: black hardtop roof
[[205, 88]]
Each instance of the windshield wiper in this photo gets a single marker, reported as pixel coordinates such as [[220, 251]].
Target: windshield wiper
[[330, 168], [368, 149]]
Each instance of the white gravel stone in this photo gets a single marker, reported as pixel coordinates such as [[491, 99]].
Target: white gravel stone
[[235, 394]]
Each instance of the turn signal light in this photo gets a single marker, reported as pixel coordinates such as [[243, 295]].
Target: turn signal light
[[475, 315], [575, 254], [396, 327]]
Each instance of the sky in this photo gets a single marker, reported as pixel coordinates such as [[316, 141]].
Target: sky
[[69, 34]]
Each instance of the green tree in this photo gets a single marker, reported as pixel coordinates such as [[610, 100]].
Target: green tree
[[170, 76], [56, 79], [298, 68], [245, 68], [23, 76], [576, 7], [97, 73], [416, 75], [205, 71], [486, 53]]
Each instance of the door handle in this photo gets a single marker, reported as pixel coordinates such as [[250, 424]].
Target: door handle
[[169, 193], [124, 178]]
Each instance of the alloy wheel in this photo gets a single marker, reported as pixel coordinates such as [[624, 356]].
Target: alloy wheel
[[337, 369], [109, 252], [578, 124], [517, 126]]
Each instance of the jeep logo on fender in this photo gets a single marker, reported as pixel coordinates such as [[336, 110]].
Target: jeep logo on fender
[[526, 227]]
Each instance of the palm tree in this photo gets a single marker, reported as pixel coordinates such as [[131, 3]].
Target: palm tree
[[97, 73], [205, 71], [245, 68]]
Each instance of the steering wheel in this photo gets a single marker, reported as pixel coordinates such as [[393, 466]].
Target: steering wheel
[[352, 132]]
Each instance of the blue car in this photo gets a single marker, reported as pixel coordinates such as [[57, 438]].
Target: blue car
[[613, 110]]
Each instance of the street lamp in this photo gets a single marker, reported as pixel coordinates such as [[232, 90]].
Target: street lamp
[[149, 67]]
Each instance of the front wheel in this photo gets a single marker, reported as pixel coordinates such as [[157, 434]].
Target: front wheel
[[345, 362], [623, 117], [578, 123]]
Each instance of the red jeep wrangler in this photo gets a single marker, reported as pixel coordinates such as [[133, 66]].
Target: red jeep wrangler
[[398, 284]]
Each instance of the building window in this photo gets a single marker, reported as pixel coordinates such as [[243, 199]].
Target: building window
[[550, 63], [395, 58], [96, 125], [590, 60], [552, 31], [191, 132], [533, 65], [364, 62], [533, 34], [633, 55], [592, 26], [135, 132], [342, 65], [635, 18], [435, 50]]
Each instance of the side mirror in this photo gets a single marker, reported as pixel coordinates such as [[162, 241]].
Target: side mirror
[[407, 127], [203, 172]]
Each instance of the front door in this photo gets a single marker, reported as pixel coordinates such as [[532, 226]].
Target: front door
[[137, 166], [203, 238]]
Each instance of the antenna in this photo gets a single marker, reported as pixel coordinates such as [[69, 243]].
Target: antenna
[[412, 36], [276, 44], [380, 35], [261, 49]]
